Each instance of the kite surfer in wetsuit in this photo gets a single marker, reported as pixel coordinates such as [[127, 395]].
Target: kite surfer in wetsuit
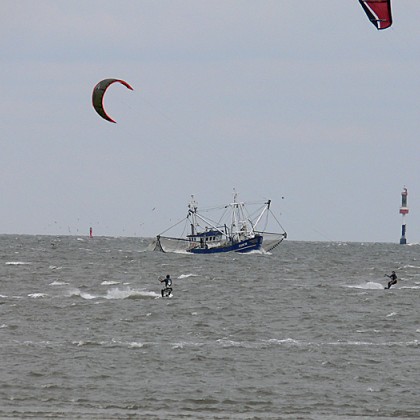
[[393, 280], [168, 283]]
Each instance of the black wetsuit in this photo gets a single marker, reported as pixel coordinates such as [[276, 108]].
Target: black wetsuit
[[393, 280], [167, 290]]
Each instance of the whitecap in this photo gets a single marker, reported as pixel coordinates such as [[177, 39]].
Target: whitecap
[[185, 276], [73, 292], [87, 343], [134, 344], [37, 295], [58, 283], [83, 295], [114, 293], [367, 331], [288, 341], [109, 282], [182, 344], [17, 263], [87, 296], [369, 285], [129, 293], [229, 343]]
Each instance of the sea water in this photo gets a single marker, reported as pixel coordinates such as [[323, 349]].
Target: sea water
[[306, 332]]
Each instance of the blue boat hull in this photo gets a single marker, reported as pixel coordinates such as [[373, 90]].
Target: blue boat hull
[[248, 245]]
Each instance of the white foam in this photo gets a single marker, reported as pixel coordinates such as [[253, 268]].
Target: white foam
[[182, 344], [230, 343], [369, 285], [135, 344], [17, 263], [179, 251], [109, 282], [87, 296], [255, 251], [37, 295], [185, 276], [117, 293], [77, 292], [287, 341]]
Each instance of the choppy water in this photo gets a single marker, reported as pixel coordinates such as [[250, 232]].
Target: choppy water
[[307, 332]]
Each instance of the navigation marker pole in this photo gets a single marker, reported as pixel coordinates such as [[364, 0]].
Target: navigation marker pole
[[403, 211]]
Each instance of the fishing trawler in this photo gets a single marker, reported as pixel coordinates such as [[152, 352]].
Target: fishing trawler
[[237, 230]]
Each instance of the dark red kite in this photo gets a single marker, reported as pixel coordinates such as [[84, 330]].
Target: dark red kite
[[98, 95], [378, 12]]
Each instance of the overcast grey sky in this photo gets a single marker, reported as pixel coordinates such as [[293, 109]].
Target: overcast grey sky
[[302, 100]]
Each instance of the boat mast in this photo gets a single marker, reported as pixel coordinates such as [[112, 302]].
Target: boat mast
[[242, 225], [194, 217], [235, 219], [192, 211]]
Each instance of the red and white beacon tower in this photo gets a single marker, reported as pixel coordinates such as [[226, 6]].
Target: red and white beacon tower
[[403, 211]]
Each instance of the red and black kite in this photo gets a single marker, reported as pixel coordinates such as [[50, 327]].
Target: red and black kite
[[378, 12], [98, 96]]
